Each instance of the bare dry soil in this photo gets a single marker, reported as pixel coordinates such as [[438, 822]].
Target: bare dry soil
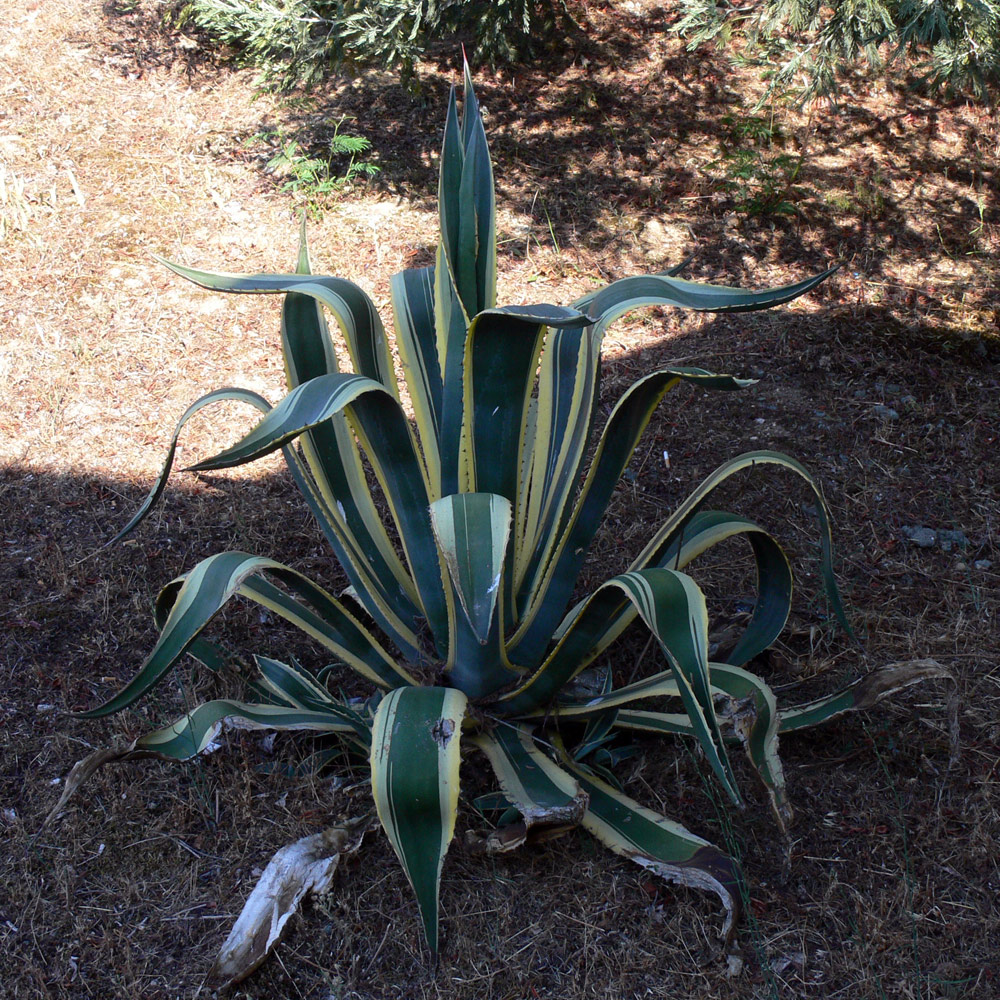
[[119, 139]]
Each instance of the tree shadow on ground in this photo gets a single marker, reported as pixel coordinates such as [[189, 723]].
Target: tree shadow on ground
[[830, 383], [626, 126], [182, 841]]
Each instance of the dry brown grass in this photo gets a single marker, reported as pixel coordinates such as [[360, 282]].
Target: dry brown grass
[[116, 143]]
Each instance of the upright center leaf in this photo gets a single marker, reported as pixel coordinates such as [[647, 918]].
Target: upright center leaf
[[472, 531]]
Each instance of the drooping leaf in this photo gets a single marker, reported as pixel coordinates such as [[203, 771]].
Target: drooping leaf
[[628, 294], [217, 396], [384, 432], [542, 792], [660, 845], [352, 308], [196, 731], [668, 532], [673, 608], [186, 605], [690, 540], [862, 694]]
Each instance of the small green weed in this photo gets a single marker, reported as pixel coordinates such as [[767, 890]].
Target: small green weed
[[756, 173], [870, 190], [313, 175]]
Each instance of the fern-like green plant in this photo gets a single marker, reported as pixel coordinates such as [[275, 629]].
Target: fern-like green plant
[[298, 42], [807, 44], [314, 177], [470, 630]]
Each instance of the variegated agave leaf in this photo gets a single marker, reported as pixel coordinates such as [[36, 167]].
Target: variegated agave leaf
[[458, 607]]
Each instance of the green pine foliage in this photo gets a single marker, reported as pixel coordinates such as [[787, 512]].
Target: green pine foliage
[[954, 45], [298, 42]]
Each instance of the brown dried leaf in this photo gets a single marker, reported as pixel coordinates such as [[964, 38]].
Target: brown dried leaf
[[307, 866]]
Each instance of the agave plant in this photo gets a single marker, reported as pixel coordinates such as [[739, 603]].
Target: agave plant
[[464, 616]]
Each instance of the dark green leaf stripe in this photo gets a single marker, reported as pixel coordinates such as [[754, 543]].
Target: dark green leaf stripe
[[501, 361], [567, 388], [542, 791], [452, 324], [485, 201], [450, 177], [415, 782], [501, 357], [241, 395], [337, 483], [306, 345], [663, 289], [662, 846], [195, 731], [354, 311], [464, 263]]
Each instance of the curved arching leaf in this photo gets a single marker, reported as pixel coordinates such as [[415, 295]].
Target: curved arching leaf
[[672, 527], [666, 290], [386, 437], [660, 845], [546, 595], [196, 730], [217, 396], [673, 608], [186, 605], [352, 308], [696, 536]]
